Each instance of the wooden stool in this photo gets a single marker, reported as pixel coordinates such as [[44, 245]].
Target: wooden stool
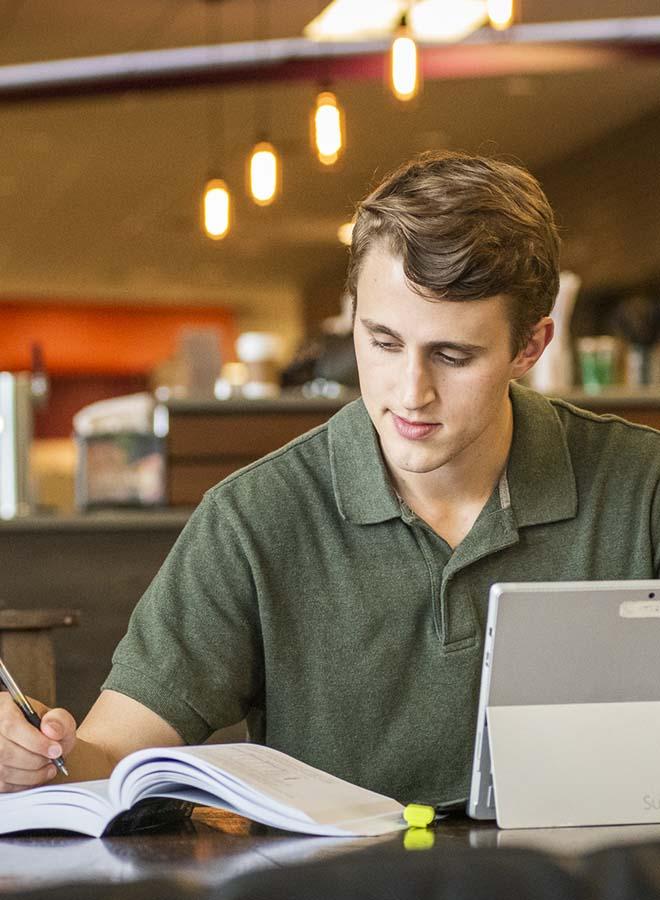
[[26, 647]]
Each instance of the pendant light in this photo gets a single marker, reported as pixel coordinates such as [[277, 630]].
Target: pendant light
[[264, 165], [328, 128], [444, 21], [404, 63], [345, 233], [264, 173], [216, 204], [500, 14], [216, 209]]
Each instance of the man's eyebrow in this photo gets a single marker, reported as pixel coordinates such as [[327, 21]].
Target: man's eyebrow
[[376, 327], [370, 325]]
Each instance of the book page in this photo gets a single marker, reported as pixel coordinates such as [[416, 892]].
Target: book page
[[317, 794], [262, 777], [83, 807]]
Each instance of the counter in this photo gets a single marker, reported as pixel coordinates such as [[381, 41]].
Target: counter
[[620, 397], [110, 520], [641, 405], [211, 439]]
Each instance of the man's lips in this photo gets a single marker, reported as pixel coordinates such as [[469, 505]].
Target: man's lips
[[413, 431]]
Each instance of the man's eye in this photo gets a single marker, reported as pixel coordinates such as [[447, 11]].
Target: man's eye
[[383, 345], [453, 360]]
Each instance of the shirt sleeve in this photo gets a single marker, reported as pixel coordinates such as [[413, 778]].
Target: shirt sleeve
[[193, 650], [655, 530]]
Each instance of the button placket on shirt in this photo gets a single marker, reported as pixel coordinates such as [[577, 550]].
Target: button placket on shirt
[[454, 615], [425, 538], [458, 613], [490, 535]]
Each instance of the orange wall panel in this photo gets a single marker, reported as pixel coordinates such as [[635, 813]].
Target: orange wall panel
[[101, 339]]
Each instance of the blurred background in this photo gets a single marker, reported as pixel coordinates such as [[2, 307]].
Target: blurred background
[[113, 118], [147, 350]]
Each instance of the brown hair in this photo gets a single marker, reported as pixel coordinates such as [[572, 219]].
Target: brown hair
[[467, 228]]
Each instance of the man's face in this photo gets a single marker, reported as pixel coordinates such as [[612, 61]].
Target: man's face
[[434, 374]]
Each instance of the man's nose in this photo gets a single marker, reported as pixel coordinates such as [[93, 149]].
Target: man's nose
[[418, 388]]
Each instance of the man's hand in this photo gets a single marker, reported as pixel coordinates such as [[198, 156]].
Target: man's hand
[[26, 753], [115, 726]]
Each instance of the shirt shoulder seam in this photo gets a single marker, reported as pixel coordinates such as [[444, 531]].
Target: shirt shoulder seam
[[601, 418], [270, 457]]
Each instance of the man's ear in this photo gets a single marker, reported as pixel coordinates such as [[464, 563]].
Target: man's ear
[[538, 341]]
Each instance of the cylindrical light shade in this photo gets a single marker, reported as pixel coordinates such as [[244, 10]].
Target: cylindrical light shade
[[405, 74], [500, 13], [345, 233], [264, 174], [216, 209], [328, 128]]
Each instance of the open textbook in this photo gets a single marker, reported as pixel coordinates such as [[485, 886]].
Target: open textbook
[[254, 781]]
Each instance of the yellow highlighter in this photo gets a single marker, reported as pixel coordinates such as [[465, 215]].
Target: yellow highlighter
[[424, 815], [419, 815]]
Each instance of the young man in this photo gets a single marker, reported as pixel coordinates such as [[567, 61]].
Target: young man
[[335, 592]]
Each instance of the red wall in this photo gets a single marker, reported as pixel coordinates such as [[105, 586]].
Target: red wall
[[102, 339], [93, 352]]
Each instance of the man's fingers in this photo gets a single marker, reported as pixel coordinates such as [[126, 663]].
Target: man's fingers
[[56, 737], [12, 779], [15, 756], [15, 729], [52, 728], [59, 726], [27, 752]]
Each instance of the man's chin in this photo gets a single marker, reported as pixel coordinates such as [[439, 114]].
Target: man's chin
[[410, 456], [420, 468], [418, 463]]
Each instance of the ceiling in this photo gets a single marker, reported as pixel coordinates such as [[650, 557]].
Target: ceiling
[[99, 195]]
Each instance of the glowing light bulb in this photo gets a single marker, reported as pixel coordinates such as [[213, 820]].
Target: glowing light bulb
[[216, 208], [345, 233], [264, 173], [500, 14], [405, 74], [328, 128]]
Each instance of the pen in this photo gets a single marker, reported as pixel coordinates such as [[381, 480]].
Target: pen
[[25, 707]]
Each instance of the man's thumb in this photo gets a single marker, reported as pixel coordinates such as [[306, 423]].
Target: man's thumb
[[52, 727], [58, 724]]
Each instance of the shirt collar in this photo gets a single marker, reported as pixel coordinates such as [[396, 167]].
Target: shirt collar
[[540, 473], [362, 486], [540, 476]]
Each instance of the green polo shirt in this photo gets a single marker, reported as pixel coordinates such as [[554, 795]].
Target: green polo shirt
[[303, 595]]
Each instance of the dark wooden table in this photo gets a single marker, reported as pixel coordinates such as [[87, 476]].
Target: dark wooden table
[[213, 848]]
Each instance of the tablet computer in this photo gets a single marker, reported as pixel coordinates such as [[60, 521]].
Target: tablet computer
[[567, 666]]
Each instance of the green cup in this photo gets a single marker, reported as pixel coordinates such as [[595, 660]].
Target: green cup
[[597, 356]]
